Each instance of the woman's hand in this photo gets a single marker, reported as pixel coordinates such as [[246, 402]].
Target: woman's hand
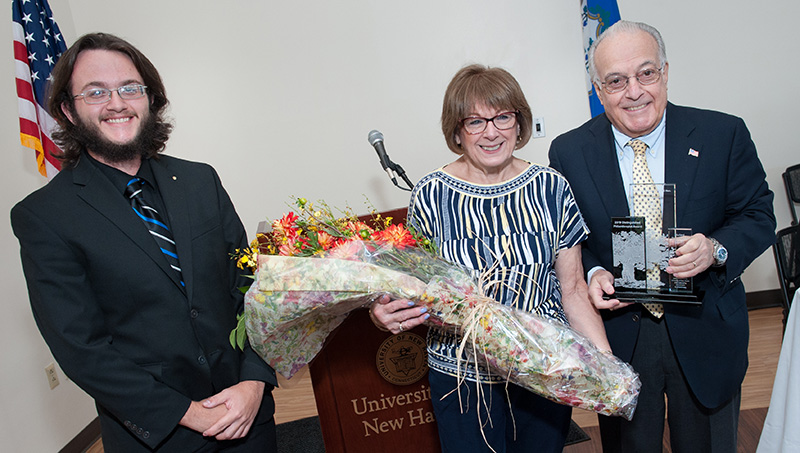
[[396, 315]]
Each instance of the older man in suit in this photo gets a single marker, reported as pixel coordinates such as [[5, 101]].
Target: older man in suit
[[694, 356], [126, 255]]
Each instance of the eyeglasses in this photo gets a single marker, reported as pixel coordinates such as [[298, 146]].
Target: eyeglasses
[[103, 95], [616, 83], [475, 124]]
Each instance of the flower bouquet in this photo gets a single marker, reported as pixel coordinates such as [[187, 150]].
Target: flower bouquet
[[314, 269]]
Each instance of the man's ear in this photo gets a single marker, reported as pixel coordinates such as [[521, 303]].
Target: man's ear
[[67, 112], [600, 93]]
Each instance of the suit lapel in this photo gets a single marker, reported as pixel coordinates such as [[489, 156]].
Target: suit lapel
[[173, 193], [603, 165], [683, 154], [97, 191]]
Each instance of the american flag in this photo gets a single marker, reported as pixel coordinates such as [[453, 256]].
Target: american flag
[[37, 46]]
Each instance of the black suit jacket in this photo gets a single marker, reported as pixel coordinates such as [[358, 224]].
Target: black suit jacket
[[112, 311], [721, 193]]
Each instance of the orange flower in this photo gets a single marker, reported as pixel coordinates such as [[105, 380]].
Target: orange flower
[[397, 235], [293, 247], [286, 226], [288, 249], [326, 241], [359, 229], [345, 250]]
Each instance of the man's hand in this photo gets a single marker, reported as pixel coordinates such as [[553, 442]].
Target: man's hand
[[694, 255], [603, 283], [199, 418], [241, 402]]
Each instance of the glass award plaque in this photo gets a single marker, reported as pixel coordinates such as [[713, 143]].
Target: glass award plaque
[[641, 252], [675, 284]]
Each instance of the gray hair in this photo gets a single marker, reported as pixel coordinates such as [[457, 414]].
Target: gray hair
[[625, 26]]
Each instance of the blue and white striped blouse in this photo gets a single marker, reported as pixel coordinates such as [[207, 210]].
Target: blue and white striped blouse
[[522, 222]]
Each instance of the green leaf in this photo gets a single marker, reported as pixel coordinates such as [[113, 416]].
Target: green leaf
[[242, 332], [239, 334]]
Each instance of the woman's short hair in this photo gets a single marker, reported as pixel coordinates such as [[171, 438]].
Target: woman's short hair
[[481, 85]]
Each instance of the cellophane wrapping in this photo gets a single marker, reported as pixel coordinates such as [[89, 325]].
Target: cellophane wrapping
[[296, 302]]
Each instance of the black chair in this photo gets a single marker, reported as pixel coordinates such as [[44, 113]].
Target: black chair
[[787, 259], [791, 180]]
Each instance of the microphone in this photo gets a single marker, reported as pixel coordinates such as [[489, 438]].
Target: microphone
[[376, 140], [392, 169]]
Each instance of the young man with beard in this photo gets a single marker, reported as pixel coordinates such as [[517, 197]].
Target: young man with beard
[[139, 316]]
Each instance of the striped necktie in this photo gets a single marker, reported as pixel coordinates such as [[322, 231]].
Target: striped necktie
[[155, 224], [647, 204]]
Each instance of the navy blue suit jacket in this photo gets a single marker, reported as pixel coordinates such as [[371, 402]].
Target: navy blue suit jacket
[[722, 193], [113, 312]]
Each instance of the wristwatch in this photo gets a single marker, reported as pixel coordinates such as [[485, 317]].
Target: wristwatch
[[720, 253]]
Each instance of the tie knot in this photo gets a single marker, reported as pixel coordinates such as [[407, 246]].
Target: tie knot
[[134, 188], [638, 146]]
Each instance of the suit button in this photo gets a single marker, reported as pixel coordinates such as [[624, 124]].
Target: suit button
[[127, 423], [193, 313], [635, 317], [201, 360], [146, 434]]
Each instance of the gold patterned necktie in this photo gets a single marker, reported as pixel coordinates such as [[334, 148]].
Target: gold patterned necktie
[[647, 204]]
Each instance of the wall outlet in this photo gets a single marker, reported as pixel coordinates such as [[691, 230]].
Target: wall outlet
[[538, 127], [52, 376]]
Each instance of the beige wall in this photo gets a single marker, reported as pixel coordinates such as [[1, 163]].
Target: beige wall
[[280, 96]]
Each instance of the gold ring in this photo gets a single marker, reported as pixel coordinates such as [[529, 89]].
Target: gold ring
[[401, 326]]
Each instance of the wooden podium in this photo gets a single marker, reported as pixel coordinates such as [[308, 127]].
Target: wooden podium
[[372, 391], [371, 387]]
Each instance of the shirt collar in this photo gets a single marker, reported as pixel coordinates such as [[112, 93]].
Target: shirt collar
[[119, 178], [621, 140]]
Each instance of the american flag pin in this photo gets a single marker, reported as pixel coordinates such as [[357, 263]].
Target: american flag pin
[[693, 152]]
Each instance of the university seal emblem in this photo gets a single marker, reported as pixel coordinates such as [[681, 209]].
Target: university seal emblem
[[402, 359]]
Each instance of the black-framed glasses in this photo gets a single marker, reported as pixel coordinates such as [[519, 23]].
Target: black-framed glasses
[[103, 95], [615, 83], [502, 121]]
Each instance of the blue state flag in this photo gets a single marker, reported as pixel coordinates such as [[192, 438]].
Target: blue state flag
[[596, 15]]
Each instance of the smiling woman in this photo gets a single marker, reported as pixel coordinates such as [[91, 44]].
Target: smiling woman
[[485, 118], [514, 224]]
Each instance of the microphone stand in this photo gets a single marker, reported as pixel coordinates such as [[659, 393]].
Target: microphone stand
[[401, 173], [392, 169]]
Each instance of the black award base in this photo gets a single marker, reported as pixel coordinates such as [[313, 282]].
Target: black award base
[[655, 296]]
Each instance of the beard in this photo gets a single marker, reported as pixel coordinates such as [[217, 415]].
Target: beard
[[92, 139]]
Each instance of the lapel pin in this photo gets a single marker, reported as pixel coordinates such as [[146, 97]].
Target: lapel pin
[[174, 178], [693, 152]]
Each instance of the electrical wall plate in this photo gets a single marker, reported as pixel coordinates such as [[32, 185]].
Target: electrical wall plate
[[538, 127]]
